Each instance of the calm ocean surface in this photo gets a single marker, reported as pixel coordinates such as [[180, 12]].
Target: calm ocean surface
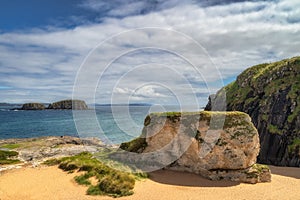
[[112, 125]]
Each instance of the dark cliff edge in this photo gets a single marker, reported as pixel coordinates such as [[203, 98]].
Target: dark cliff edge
[[270, 94]]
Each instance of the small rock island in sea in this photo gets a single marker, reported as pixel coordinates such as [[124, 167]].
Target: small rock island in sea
[[33, 106], [59, 105], [69, 104]]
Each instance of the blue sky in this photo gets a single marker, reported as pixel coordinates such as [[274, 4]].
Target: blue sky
[[48, 48]]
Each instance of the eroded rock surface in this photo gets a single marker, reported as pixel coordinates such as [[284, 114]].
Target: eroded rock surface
[[36, 150], [216, 145]]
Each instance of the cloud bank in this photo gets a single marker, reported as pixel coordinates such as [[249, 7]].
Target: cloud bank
[[42, 64]]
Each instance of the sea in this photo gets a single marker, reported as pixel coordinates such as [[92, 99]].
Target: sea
[[112, 124]]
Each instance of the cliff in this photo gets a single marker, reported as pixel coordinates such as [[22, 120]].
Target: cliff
[[216, 145], [270, 94], [33, 106], [69, 104]]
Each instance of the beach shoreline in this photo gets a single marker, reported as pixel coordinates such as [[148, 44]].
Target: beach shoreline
[[52, 183]]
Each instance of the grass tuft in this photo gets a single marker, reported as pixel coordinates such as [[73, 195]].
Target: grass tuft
[[110, 181], [8, 157]]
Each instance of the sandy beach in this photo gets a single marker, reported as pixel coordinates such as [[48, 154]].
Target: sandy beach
[[45, 183]]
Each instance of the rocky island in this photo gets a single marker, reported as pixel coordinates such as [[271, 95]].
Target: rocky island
[[69, 104], [33, 106], [270, 94], [59, 105]]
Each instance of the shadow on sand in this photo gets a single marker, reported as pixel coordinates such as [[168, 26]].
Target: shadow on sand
[[187, 179], [293, 172]]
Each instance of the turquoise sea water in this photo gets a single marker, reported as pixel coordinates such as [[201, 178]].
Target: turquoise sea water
[[112, 124]]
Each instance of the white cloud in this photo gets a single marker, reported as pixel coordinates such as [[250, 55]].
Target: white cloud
[[236, 36]]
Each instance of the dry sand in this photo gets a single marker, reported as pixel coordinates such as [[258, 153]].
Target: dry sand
[[51, 183]]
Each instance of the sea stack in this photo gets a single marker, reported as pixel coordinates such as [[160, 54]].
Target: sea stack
[[216, 145], [69, 104]]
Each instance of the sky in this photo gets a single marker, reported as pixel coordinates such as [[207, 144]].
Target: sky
[[129, 51]]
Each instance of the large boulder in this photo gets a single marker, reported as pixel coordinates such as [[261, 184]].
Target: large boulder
[[69, 104], [217, 145], [270, 94], [33, 106]]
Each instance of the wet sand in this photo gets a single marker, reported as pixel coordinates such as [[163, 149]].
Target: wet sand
[[52, 183]]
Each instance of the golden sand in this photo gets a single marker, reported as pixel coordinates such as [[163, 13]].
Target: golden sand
[[46, 183]]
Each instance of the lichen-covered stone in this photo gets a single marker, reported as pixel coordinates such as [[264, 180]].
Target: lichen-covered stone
[[270, 94], [205, 143], [69, 104]]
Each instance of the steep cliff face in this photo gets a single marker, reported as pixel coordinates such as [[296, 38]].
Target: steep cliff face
[[270, 94], [217, 145], [33, 106], [69, 104]]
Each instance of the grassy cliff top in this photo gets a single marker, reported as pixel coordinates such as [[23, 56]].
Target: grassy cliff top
[[269, 68], [265, 80], [204, 114]]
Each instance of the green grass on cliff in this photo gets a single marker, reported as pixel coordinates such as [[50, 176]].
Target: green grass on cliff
[[274, 129], [215, 119], [261, 84], [295, 143], [10, 146], [8, 157], [111, 182]]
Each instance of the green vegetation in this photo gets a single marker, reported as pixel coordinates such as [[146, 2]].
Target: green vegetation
[[295, 143], [264, 117], [260, 167], [7, 157], [135, 145], [295, 113], [274, 129], [256, 170], [10, 146], [263, 84], [110, 181]]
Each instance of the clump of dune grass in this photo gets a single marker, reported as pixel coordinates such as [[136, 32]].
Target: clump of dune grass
[[110, 182]]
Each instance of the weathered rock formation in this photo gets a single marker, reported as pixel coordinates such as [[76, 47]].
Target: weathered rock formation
[[270, 94], [69, 104], [33, 106], [35, 150], [216, 145]]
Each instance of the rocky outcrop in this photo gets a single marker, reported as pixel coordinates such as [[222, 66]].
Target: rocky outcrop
[[216, 145], [36, 150], [33, 106], [69, 104], [270, 94]]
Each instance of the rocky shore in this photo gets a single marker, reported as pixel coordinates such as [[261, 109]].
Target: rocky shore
[[33, 151]]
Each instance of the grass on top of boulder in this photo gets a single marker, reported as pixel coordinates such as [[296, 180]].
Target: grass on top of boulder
[[7, 157], [110, 182]]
